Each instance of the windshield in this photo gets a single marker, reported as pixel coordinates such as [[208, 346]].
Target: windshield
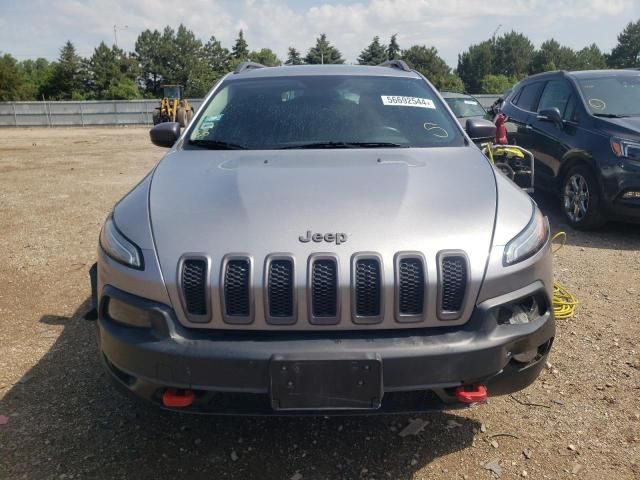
[[466, 107], [612, 96], [328, 111], [172, 91]]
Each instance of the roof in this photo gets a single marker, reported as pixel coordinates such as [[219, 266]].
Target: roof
[[578, 74], [603, 73], [318, 70]]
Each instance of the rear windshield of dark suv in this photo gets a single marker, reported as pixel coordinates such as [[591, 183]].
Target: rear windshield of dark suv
[[325, 111]]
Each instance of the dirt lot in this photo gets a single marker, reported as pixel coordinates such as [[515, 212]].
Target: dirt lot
[[66, 421]]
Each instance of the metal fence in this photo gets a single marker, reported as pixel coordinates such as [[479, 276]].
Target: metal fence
[[79, 114], [92, 113]]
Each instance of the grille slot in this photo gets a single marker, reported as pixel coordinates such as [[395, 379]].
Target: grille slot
[[236, 288], [453, 283], [324, 288], [194, 286], [367, 287], [280, 288], [410, 286]]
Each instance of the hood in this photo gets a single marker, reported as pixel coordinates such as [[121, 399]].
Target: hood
[[626, 127], [261, 202]]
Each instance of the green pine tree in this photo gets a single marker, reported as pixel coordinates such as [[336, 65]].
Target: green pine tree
[[323, 52], [374, 54], [240, 49]]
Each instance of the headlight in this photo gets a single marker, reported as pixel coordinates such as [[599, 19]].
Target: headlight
[[529, 241], [625, 148], [118, 247]]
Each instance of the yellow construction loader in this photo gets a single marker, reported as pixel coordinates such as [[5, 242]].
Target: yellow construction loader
[[173, 108]]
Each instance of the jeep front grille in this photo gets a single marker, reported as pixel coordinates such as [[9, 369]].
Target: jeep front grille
[[236, 288], [453, 285], [324, 288], [194, 282], [411, 285], [367, 287], [280, 288]]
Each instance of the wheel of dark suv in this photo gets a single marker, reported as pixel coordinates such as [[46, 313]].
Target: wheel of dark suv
[[580, 198]]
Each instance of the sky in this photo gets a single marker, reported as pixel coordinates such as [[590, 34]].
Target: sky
[[38, 28]]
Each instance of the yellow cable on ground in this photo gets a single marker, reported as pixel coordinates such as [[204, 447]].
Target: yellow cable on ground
[[564, 302]]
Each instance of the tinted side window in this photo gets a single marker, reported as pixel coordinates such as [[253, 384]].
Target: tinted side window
[[529, 96], [556, 94]]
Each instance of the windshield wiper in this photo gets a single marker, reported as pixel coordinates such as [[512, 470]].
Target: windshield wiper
[[343, 145], [610, 115], [217, 145]]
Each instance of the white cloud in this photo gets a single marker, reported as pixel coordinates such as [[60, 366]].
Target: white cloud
[[40, 27]]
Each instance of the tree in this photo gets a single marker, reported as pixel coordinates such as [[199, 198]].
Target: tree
[[552, 56], [36, 75], [451, 83], [10, 79], [427, 61], [475, 63], [374, 54], [147, 53], [393, 49], [66, 82], [293, 57], [112, 74], [513, 54], [590, 58], [216, 56], [496, 83], [240, 49], [187, 54], [626, 54], [323, 52], [266, 57]]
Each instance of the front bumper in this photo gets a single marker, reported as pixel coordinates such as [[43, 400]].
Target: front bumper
[[619, 179], [230, 371]]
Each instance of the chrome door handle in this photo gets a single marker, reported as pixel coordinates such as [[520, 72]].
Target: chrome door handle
[[528, 126]]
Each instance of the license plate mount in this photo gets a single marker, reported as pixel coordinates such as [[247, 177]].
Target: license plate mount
[[352, 382]]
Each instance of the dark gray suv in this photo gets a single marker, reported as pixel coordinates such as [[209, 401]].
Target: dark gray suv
[[321, 239], [584, 131]]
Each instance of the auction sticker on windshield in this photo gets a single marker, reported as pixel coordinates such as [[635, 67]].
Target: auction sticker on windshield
[[397, 101]]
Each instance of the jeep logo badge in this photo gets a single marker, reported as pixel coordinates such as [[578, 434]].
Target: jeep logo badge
[[336, 238]]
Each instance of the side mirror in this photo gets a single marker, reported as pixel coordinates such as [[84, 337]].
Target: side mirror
[[551, 115], [480, 129], [165, 134]]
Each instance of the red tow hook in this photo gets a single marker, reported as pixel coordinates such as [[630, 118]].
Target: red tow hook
[[472, 394], [174, 399]]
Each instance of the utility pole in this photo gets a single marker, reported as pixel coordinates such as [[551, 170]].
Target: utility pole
[[115, 33]]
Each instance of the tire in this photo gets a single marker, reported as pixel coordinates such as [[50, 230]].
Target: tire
[[580, 199], [181, 116], [156, 117]]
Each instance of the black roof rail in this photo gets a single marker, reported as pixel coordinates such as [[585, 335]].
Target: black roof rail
[[399, 64], [246, 66]]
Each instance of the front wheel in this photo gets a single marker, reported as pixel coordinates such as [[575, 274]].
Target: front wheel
[[581, 199]]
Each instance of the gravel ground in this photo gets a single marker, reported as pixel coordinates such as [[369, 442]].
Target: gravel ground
[[60, 418]]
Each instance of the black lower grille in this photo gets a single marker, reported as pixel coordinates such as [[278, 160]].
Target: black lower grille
[[280, 288], [410, 286], [236, 288], [453, 283], [367, 287], [324, 288], [194, 281]]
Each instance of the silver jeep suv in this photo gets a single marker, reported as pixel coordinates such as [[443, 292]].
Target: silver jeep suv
[[321, 239]]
